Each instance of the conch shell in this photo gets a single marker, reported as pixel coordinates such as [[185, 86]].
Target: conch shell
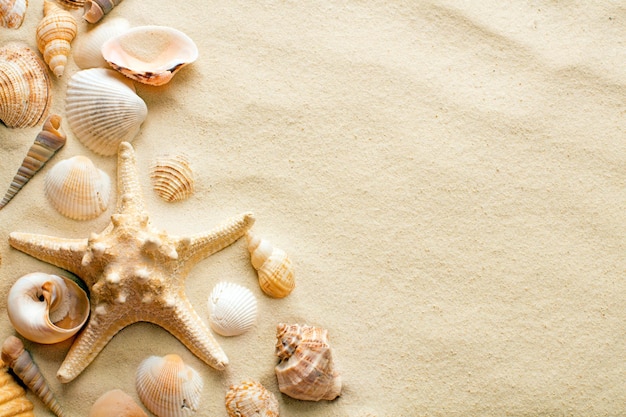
[[274, 267], [47, 143], [47, 308], [116, 403], [96, 9], [14, 354], [306, 369], [251, 399], [13, 401], [12, 13], [55, 33]]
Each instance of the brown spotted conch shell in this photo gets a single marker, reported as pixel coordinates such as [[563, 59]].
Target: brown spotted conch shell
[[12, 13], [47, 143], [55, 33], [116, 403], [251, 399], [96, 9], [273, 266], [172, 178]]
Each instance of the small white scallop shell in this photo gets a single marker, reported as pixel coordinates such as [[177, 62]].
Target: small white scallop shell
[[47, 308], [77, 189], [87, 51], [103, 109], [172, 178], [233, 309], [12, 13], [251, 399], [274, 268], [168, 387]]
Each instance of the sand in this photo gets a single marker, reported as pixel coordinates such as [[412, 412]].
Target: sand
[[447, 176]]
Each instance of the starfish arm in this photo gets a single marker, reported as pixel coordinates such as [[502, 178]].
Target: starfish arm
[[61, 252], [130, 198]]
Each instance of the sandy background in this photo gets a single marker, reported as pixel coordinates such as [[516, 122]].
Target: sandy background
[[447, 176]]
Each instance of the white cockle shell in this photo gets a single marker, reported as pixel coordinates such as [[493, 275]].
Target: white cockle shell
[[47, 308], [233, 309], [250, 399], [103, 109], [87, 51], [274, 268]]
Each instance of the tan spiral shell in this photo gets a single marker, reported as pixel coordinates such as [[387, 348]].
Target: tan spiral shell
[[274, 268], [172, 178], [116, 403], [25, 91], [12, 13], [96, 9], [13, 401], [54, 34], [251, 399]]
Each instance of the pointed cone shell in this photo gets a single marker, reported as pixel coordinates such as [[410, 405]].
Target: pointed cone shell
[[86, 51], [13, 401], [96, 9], [12, 13], [251, 399], [103, 109], [306, 369], [233, 309], [150, 54], [25, 91], [77, 189], [172, 178], [168, 387], [47, 143], [274, 267], [54, 34], [116, 403]]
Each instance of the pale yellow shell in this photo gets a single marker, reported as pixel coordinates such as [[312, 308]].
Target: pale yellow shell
[[251, 399], [172, 178], [306, 368], [274, 268], [25, 91], [168, 387], [77, 189], [86, 50], [12, 13], [116, 403], [13, 401], [96, 9], [54, 35]]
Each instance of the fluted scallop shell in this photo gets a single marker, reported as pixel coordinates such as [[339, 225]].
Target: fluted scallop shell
[[150, 54], [96, 9], [47, 143], [116, 403], [77, 189], [103, 109], [13, 400], [233, 309], [87, 49], [12, 13], [306, 368], [168, 387], [172, 178], [47, 308], [251, 399], [274, 268], [55, 33], [25, 91]]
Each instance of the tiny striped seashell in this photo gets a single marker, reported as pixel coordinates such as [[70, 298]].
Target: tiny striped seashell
[[96, 9], [12, 13], [77, 189], [20, 361], [86, 51], [251, 399], [13, 400], [172, 178], [47, 143], [168, 387], [116, 403], [55, 33], [72, 4], [233, 309], [274, 268]]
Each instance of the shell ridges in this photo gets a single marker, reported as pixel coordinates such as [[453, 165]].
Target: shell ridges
[[233, 309], [250, 399], [12, 13]]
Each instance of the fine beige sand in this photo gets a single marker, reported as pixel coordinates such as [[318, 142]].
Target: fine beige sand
[[448, 177]]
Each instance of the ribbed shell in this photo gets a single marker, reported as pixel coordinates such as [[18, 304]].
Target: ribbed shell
[[172, 178], [96, 9], [168, 387], [25, 92], [233, 309], [103, 109], [251, 399], [87, 47], [12, 13], [72, 4], [274, 268], [116, 403], [13, 401], [77, 189], [55, 33]]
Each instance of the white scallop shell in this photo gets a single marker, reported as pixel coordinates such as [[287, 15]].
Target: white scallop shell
[[103, 109], [77, 189], [232, 309], [168, 387], [87, 51]]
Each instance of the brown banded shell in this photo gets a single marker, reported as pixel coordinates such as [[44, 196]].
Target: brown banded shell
[[55, 33], [274, 268], [47, 143], [251, 399], [72, 4], [12, 13], [306, 368], [13, 401], [116, 403], [25, 91], [96, 9], [172, 178]]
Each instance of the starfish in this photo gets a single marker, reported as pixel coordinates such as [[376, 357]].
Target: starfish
[[135, 273]]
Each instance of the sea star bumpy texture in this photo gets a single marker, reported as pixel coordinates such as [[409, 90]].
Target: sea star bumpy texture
[[134, 273]]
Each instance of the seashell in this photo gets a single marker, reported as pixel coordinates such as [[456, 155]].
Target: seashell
[[13, 401], [172, 178], [306, 368], [77, 189], [12, 13], [233, 309], [116, 403], [103, 109], [168, 387], [96, 9], [47, 143], [54, 34], [47, 308], [251, 399], [72, 4], [25, 90], [87, 52], [20, 361], [150, 54], [274, 267]]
